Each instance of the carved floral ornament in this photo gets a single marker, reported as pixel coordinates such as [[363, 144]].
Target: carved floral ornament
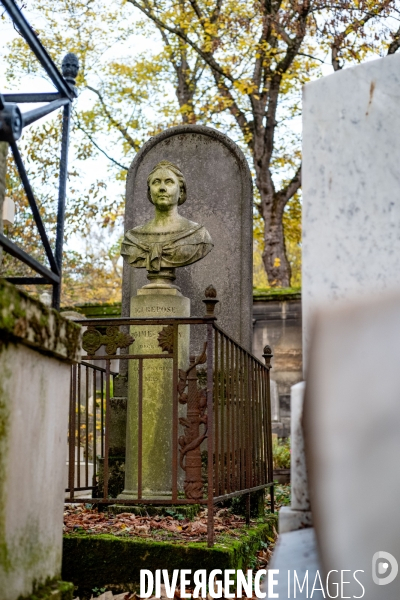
[[113, 339]]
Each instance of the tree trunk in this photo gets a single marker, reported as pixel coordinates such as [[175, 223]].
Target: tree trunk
[[274, 256], [185, 92], [271, 209]]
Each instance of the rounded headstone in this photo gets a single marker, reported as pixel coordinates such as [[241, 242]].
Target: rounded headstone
[[220, 197]]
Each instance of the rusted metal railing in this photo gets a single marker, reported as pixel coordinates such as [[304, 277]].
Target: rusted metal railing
[[86, 430], [221, 447]]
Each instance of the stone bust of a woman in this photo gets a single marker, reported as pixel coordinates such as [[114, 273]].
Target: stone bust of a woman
[[168, 240]]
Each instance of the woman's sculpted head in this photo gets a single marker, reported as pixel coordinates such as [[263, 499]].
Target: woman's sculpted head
[[158, 174]]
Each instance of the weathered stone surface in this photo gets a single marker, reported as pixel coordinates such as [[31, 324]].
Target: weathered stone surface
[[118, 404], [297, 552], [219, 197], [34, 400], [351, 157], [298, 470], [157, 394], [352, 424], [277, 322], [52, 590], [291, 519], [298, 515], [37, 346], [29, 322]]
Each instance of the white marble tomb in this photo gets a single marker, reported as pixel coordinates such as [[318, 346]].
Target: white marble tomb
[[352, 425], [351, 185]]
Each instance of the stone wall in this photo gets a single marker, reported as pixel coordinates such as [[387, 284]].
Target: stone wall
[[37, 347], [277, 322]]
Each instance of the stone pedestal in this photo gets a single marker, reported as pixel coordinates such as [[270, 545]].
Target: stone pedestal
[[157, 394], [298, 515]]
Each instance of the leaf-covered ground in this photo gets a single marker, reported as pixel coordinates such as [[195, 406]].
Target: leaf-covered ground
[[81, 518]]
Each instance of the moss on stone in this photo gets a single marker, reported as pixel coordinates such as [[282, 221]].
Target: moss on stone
[[26, 320], [115, 562], [95, 310], [51, 590], [279, 294], [4, 427], [184, 511]]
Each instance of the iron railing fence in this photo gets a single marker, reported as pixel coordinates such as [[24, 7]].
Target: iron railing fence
[[86, 429], [218, 444], [12, 122]]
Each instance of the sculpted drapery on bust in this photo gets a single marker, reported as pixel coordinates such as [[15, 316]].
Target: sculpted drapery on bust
[[168, 240]]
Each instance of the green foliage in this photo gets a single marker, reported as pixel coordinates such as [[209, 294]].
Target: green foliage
[[281, 453], [282, 495], [53, 589], [98, 591], [293, 293]]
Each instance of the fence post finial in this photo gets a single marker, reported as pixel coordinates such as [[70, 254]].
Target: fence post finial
[[267, 355], [210, 300]]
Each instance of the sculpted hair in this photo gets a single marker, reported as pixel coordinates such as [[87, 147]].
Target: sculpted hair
[[165, 164]]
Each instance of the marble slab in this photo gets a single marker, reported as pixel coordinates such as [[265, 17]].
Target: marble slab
[[298, 514], [296, 558], [352, 434], [351, 184]]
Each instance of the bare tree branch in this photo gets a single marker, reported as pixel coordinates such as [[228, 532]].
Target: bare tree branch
[[197, 10], [216, 12], [295, 42], [123, 130], [233, 107], [395, 45], [353, 27], [293, 186], [79, 126], [206, 56]]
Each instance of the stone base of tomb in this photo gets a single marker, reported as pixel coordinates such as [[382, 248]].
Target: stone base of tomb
[[291, 519], [157, 393]]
